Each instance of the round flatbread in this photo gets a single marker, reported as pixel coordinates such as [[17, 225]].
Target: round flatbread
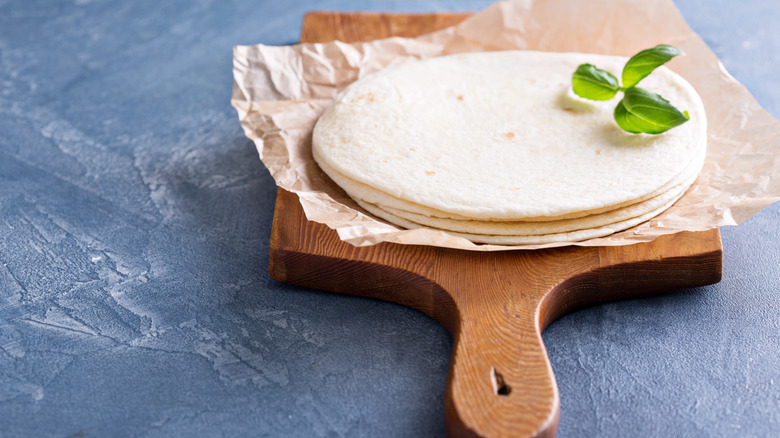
[[368, 194], [498, 136], [525, 228], [573, 236]]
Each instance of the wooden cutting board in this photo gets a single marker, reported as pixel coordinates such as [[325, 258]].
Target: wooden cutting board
[[495, 304]]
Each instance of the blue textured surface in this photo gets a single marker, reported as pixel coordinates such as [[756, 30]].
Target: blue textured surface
[[134, 223]]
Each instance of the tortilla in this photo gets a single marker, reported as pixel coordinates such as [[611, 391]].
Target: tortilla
[[368, 194], [573, 236], [498, 136], [548, 227]]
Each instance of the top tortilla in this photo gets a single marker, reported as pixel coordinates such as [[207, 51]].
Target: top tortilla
[[498, 135]]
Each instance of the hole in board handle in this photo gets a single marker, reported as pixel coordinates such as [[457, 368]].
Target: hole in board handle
[[499, 386]]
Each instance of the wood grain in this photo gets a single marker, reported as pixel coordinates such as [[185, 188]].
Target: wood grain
[[495, 304], [328, 26]]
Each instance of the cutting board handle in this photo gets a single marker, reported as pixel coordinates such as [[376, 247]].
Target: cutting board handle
[[500, 381]]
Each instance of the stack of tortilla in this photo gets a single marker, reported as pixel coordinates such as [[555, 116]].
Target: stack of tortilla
[[496, 148]]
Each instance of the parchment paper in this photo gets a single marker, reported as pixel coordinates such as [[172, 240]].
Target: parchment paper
[[280, 92]]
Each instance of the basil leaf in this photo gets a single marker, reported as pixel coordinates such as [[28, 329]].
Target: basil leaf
[[644, 62], [643, 111], [593, 83]]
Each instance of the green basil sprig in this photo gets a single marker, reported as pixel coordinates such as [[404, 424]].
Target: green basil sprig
[[640, 111]]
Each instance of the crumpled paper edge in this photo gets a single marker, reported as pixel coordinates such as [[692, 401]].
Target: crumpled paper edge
[[279, 93]]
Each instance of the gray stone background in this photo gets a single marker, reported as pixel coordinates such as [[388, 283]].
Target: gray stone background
[[134, 224]]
